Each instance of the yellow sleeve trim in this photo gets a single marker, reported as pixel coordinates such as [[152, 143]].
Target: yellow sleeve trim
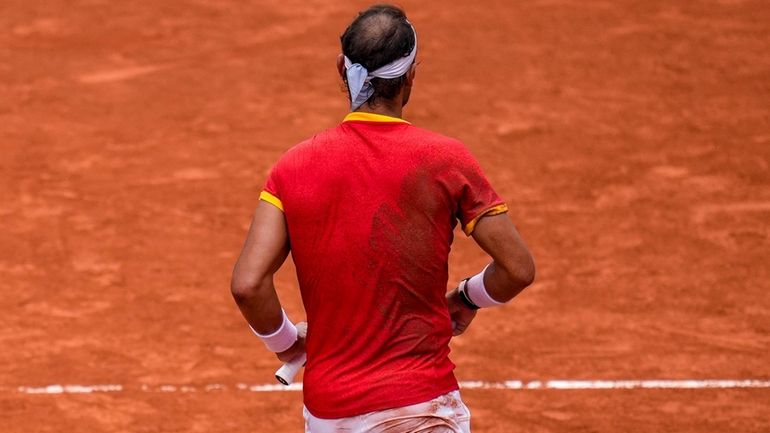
[[270, 198], [494, 210]]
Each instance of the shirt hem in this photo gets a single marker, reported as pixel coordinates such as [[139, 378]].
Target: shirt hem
[[392, 404]]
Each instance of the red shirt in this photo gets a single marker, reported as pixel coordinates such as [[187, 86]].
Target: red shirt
[[370, 207]]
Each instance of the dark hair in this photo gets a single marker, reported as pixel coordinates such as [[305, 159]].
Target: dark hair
[[378, 36]]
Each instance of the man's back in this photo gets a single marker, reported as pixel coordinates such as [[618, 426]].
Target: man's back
[[370, 208]]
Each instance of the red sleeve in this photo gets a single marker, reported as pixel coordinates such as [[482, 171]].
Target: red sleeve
[[475, 196], [281, 182], [271, 193]]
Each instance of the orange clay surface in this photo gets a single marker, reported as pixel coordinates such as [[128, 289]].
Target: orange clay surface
[[630, 139]]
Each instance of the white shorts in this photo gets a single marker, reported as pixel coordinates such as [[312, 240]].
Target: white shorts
[[443, 414]]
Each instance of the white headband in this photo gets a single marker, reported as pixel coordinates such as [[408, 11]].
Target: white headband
[[359, 79]]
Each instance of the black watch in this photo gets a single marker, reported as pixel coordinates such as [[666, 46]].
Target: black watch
[[464, 296]]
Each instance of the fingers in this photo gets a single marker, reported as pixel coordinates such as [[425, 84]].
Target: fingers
[[459, 328], [461, 320]]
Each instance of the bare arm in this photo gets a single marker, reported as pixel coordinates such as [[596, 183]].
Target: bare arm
[[513, 268], [265, 250]]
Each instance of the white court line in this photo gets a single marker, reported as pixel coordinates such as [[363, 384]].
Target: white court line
[[508, 384], [68, 389]]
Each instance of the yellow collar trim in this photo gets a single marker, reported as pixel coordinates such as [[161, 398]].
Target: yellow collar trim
[[372, 117]]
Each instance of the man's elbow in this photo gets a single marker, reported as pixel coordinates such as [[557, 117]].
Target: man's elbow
[[243, 288], [527, 272], [520, 273]]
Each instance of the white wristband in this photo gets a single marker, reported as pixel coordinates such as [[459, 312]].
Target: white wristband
[[282, 339], [477, 292]]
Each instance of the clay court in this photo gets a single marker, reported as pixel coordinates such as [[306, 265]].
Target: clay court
[[631, 141]]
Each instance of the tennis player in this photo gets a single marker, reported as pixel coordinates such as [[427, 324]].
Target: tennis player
[[367, 210]]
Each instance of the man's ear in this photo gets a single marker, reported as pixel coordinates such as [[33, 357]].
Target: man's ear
[[411, 73], [341, 65]]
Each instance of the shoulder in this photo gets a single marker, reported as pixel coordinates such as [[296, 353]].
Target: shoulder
[[433, 137], [442, 146], [309, 148]]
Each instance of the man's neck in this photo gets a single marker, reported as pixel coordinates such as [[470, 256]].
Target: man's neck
[[392, 108]]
